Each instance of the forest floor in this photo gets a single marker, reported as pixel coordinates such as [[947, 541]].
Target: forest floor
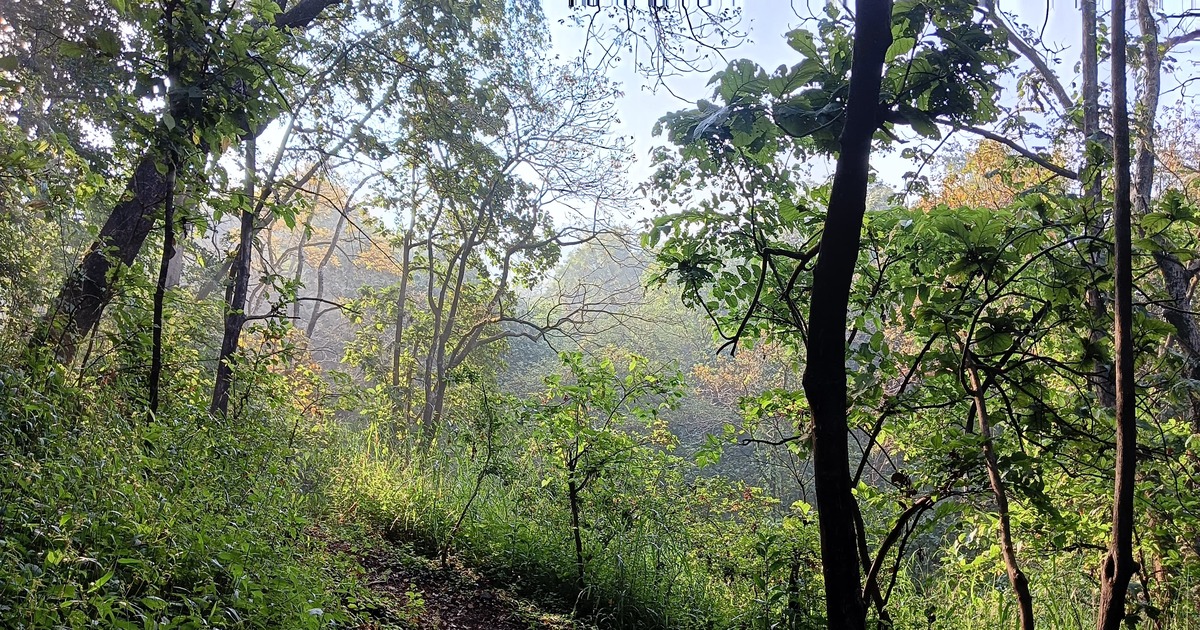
[[411, 592]]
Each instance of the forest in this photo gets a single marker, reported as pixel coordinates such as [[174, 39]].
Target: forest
[[591, 314]]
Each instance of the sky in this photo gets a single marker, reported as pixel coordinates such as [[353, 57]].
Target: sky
[[766, 22]]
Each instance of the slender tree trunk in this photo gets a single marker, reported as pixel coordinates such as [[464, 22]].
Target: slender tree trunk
[[576, 529], [1016, 577], [1119, 564], [1090, 70], [298, 276], [160, 288], [825, 373], [235, 307], [329, 252], [1101, 379], [401, 307]]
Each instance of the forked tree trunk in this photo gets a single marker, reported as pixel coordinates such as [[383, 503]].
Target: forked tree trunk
[[825, 372], [317, 311], [1119, 564]]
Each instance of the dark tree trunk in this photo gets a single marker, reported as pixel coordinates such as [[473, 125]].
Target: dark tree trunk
[[76, 310], [825, 373], [576, 531], [235, 306], [160, 289], [1119, 564]]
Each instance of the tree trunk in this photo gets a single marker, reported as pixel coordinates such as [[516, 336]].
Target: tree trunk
[[298, 276], [401, 307], [76, 310], [576, 530], [160, 288], [160, 293], [825, 373], [401, 311], [1101, 379], [235, 303], [1119, 566], [1016, 577]]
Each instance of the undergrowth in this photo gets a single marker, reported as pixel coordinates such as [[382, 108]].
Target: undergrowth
[[661, 552], [111, 519]]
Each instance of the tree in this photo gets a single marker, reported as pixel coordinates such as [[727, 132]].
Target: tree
[[587, 421], [403, 54], [825, 371], [195, 105], [1118, 565], [482, 225], [814, 102]]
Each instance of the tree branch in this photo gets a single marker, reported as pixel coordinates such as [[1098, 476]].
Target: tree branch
[[1028, 51], [1180, 40], [1039, 160]]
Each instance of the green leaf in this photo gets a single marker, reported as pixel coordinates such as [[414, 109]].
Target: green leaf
[[742, 78], [789, 214], [803, 42], [901, 46], [71, 49], [108, 43], [100, 582], [154, 603]]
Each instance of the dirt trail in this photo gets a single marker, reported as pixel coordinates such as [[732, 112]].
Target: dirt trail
[[416, 593]]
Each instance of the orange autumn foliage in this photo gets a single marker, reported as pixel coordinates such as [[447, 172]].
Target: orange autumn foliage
[[991, 177]]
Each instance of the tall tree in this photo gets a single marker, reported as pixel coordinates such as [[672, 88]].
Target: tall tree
[[1119, 565], [825, 367]]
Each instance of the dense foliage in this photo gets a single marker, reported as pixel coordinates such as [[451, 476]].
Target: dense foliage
[[301, 302]]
